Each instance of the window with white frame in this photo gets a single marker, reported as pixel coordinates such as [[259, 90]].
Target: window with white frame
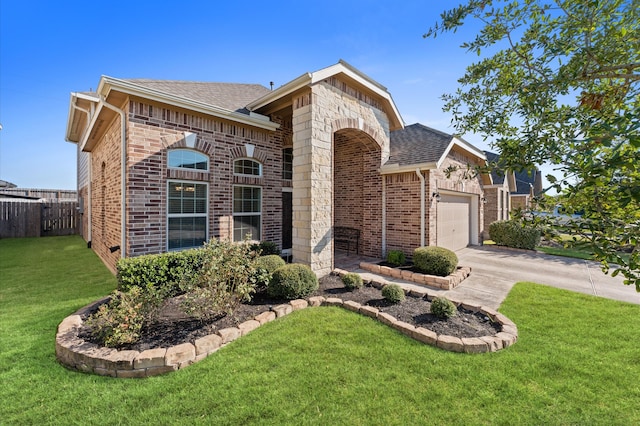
[[187, 159], [247, 167], [187, 214], [247, 212]]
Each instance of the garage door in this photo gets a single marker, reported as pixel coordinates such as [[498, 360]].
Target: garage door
[[453, 222]]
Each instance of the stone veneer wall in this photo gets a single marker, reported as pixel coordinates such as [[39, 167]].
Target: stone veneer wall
[[328, 107]]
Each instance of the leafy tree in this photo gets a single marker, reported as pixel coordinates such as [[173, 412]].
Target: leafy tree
[[558, 82]]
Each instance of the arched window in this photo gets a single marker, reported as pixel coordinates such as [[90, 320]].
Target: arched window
[[188, 159], [247, 167]]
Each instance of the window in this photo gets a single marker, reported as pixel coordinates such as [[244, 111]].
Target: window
[[247, 167], [187, 214], [287, 163], [188, 159], [247, 212]]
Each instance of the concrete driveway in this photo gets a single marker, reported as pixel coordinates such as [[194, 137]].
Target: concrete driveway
[[495, 270]]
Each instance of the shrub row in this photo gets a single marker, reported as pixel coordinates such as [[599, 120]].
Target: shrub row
[[513, 233], [164, 270]]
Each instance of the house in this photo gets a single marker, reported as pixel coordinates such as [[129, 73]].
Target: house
[[509, 190], [166, 165]]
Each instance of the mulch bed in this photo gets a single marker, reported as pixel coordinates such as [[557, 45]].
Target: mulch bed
[[173, 327]]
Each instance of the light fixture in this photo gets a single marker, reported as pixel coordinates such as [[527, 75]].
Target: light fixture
[[484, 200], [436, 196]]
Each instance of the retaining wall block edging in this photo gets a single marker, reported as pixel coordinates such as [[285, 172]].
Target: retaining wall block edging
[[75, 353]]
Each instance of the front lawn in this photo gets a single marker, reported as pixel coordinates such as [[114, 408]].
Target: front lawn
[[576, 362]]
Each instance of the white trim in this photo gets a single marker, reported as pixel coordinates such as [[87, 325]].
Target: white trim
[[309, 79], [179, 215], [246, 214]]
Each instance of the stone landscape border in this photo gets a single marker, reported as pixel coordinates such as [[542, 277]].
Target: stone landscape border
[[75, 353], [446, 283]]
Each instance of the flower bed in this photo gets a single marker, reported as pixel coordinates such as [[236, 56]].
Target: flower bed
[[446, 283]]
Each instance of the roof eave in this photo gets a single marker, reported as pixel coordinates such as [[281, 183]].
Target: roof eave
[[308, 79], [110, 83], [466, 146], [389, 169]]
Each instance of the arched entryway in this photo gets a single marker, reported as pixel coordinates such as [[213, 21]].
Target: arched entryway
[[357, 196]]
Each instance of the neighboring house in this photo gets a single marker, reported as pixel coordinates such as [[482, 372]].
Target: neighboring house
[[509, 191], [166, 165]]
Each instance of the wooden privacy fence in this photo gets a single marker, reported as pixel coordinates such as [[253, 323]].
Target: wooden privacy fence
[[26, 218]]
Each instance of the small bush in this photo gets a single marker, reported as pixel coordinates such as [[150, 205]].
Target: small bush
[[513, 233], [270, 262], [352, 281], [396, 258], [393, 293], [120, 321], [266, 266], [266, 248], [435, 260], [292, 281], [443, 308], [226, 279]]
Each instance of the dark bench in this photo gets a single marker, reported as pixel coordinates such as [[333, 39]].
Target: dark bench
[[346, 236]]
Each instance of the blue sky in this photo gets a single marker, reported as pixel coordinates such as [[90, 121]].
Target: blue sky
[[50, 49]]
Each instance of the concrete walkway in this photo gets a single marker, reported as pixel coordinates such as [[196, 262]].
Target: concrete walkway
[[494, 271]]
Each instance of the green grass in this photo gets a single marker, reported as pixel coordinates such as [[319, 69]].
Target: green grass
[[576, 362]]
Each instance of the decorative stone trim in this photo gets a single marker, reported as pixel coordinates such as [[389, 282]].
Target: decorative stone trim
[[446, 283], [75, 353]]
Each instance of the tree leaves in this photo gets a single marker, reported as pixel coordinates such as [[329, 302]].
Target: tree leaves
[[562, 87]]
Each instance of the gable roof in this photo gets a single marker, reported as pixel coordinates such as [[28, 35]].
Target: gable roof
[[230, 96], [497, 175], [521, 182], [344, 70], [419, 146]]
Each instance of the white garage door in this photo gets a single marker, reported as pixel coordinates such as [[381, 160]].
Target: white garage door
[[453, 222]]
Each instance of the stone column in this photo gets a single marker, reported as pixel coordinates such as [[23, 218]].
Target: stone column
[[312, 185]]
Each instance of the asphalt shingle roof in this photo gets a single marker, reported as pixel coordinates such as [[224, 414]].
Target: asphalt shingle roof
[[230, 96], [416, 144]]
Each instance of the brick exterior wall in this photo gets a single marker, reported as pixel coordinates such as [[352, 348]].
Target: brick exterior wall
[[154, 130], [402, 193], [496, 207], [357, 199], [319, 115], [106, 195]]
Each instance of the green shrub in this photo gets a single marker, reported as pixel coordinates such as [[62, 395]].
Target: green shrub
[[393, 293], [352, 281], [396, 258], [266, 248], [266, 266], [226, 279], [513, 233], [435, 260], [120, 321], [292, 281], [161, 270], [443, 308]]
